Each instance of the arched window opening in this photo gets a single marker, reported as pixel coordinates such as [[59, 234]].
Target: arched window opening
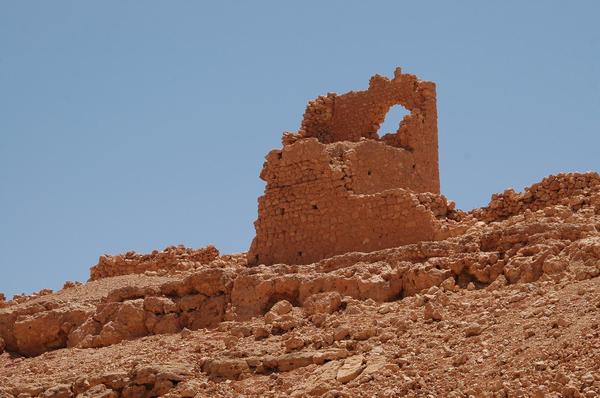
[[392, 120]]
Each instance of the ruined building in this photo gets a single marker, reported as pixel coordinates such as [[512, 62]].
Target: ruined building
[[336, 186]]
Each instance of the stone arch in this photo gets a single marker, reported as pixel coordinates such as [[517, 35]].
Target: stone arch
[[393, 120]]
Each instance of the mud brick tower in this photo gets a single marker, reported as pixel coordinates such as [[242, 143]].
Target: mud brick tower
[[336, 186]]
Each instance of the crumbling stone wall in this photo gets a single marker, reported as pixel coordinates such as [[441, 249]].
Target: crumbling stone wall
[[359, 114], [169, 259], [574, 190], [336, 186]]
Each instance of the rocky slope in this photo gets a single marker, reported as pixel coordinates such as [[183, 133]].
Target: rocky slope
[[507, 306]]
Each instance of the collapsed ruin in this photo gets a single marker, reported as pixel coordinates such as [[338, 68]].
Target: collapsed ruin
[[378, 277], [336, 186], [503, 299]]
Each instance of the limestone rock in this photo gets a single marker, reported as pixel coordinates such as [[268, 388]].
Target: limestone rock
[[282, 307], [351, 368], [99, 391], [473, 329], [226, 368], [322, 303], [171, 258]]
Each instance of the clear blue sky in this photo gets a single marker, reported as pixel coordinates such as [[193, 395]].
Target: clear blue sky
[[132, 125]]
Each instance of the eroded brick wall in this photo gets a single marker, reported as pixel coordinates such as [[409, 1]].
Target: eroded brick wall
[[336, 186], [359, 114], [574, 190], [170, 259]]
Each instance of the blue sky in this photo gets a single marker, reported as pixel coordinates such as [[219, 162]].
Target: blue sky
[[132, 125]]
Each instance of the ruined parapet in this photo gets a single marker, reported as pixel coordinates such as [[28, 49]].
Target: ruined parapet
[[359, 114], [170, 259], [574, 190], [336, 186]]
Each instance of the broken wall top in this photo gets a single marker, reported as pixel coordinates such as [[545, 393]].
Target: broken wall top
[[358, 115]]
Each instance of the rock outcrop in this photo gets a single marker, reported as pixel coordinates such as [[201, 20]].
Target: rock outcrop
[[507, 307], [171, 258], [573, 190]]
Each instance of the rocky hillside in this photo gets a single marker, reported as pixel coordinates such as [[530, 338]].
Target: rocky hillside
[[507, 306]]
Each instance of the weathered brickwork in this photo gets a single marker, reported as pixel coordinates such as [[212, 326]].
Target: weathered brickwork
[[336, 186], [574, 190], [171, 258], [356, 115]]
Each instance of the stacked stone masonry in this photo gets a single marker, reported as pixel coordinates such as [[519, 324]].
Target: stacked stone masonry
[[357, 115], [337, 187], [569, 189], [172, 257]]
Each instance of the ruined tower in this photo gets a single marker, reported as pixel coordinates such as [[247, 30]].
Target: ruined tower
[[336, 186]]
